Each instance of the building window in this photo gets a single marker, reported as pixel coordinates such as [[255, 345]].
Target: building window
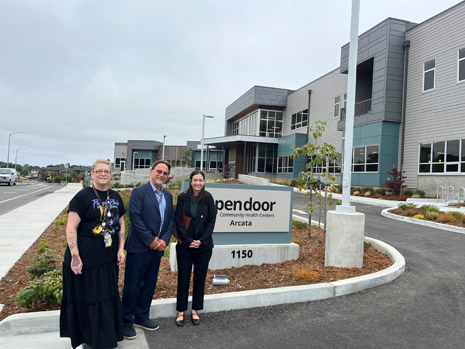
[[345, 101], [142, 163], [271, 123], [299, 119], [337, 106], [285, 164], [262, 158], [365, 159], [461, 65], [235, 128], [442, 157], [428, 75], [246, 126], [334, 167]]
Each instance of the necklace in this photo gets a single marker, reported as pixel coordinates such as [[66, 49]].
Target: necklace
[[106, 219]]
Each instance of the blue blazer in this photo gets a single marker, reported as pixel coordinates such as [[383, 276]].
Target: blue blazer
[[145, 217]]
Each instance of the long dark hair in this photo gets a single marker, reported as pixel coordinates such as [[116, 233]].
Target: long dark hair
[[190, 190]]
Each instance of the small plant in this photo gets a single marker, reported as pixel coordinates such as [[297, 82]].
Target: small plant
[[396, 184], [408, 192], [409, 212], [43, 245], [299, 225], [419, 216], [366, 244], [420, 193], [407, 205], [306, 274], [446, 218], [388, 193], [297, 241], [367, 194], [432, 215], [365, 189], [456, 214], [415, 196], [44, 262], [356, 193], [430, 208], [381, 191], [44, 290]]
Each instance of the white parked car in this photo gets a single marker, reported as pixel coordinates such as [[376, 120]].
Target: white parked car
[[8, 175]]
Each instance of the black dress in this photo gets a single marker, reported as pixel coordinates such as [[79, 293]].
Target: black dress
[[91, 306]]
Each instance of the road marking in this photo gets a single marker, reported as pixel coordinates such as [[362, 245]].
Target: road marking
[[32, 192]]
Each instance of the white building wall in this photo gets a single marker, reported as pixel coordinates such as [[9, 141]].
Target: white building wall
[[324, 91], [438, 114]]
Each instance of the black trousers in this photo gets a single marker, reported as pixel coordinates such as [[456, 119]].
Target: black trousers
[[185, 263], [140, 279]]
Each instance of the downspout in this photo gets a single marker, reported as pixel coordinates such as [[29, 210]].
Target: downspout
[[404, 105], [308, 115]]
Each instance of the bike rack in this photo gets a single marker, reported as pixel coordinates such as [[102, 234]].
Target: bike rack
[[448, 191], [458, 194], [442, 192]]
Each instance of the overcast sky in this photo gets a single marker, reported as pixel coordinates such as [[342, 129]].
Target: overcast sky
[[79, 75]]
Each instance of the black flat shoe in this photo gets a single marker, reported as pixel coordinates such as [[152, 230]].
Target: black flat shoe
[[197, 320], [180, 320]]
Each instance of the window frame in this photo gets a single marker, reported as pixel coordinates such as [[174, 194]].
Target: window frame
[[428, 71], [295, 123], [366, 163], [459, 60], [460, 163], [337, 103]]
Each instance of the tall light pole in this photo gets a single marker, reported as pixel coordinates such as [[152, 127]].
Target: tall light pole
[[163, 155], [201, 141], [349, 126], [16, 156], [9, 139]]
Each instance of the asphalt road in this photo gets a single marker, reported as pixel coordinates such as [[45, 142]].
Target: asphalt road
[[424, 308], [15, 196]]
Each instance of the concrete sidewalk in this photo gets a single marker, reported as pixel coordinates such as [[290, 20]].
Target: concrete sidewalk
[[20, 228]]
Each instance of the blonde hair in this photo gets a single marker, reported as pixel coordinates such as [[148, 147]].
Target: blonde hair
[[101, 161]]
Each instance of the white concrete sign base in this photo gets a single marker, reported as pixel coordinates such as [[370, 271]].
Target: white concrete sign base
[[344, 239], [229, 256]]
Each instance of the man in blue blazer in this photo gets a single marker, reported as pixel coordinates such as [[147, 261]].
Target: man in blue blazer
[[151, 213]]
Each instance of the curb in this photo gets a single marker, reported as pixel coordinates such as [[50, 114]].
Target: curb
[[440, 226], [48, 321]]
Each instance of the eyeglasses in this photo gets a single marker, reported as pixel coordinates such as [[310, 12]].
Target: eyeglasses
[[102, 171], [159, 172]]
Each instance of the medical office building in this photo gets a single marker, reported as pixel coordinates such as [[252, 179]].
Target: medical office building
[[409, 110]]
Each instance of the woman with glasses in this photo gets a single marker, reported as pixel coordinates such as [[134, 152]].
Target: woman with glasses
[[195, 244], [91, 307]]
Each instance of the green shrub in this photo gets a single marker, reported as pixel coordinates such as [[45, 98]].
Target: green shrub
[[407, 205], [44, 290], [408, 192], [430, 208], [419, 192], [293, 183], [381, 191], [43, 245], [299, 225], [366, 244], [365, 189], [44, 262]]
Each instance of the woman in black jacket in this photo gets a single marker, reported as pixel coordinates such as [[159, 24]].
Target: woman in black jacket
[[195, 244]]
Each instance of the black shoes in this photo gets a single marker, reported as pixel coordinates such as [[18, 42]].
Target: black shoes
[[180, 319], [195, 318]]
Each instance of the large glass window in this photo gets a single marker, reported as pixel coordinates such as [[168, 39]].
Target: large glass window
[[246, 126], [334, 167], [142, 163], [285, 164], [299, 119], [428, 75], [262, 158], [461, 65], [271, 123], [365, 159], [442, 157]]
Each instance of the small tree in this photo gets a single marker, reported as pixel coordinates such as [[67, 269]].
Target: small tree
[[396, 184], [319, 155], [188, 157]]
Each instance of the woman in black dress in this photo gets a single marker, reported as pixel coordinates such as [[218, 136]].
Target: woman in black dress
[[195, 245], [91, 306]]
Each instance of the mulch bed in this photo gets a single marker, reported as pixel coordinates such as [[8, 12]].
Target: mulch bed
[[309, 268]]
